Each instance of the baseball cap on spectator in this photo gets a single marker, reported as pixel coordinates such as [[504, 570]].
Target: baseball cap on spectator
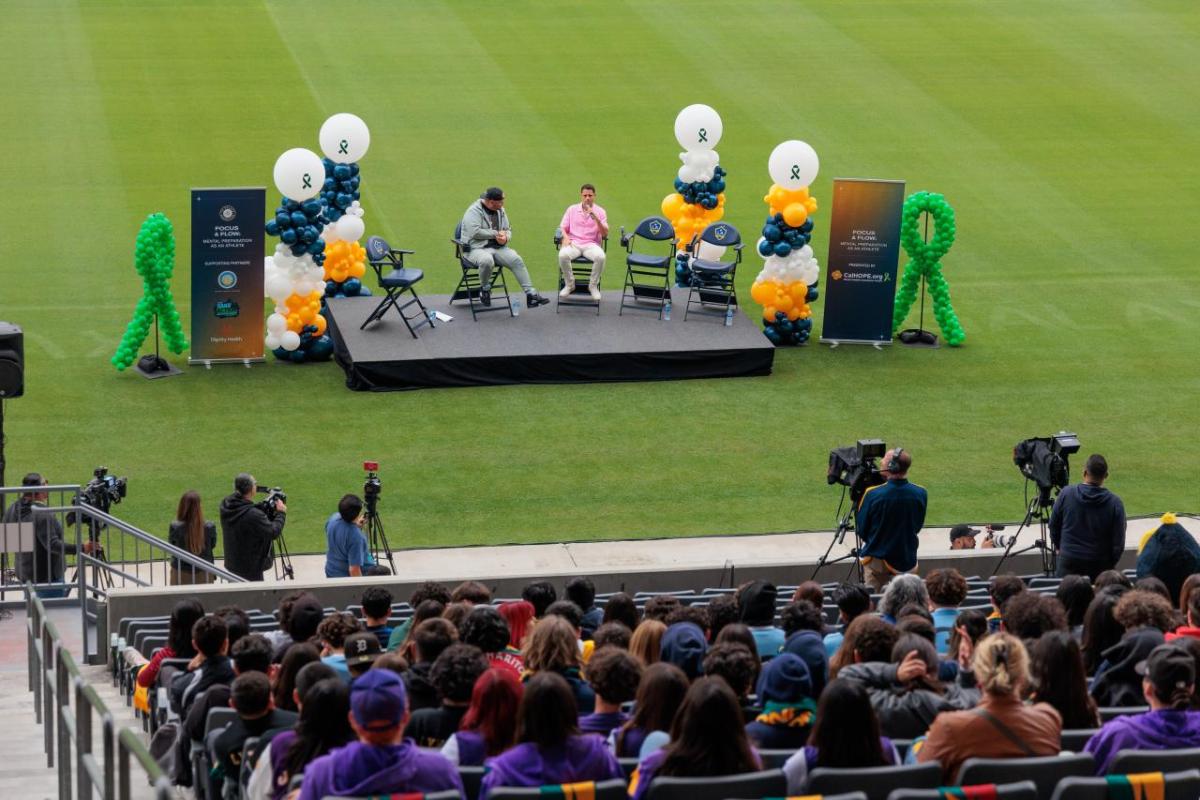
[[378, 700], [1170, 668], [361, 648], [493, 193], [961, 530]]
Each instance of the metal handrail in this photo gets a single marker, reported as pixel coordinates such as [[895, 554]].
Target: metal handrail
[[57, 683]]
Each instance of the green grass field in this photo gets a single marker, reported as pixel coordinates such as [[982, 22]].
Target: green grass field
[[1064, 133]]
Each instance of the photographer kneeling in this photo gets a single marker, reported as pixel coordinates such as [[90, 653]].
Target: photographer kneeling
[[247, 531], [889, 518]]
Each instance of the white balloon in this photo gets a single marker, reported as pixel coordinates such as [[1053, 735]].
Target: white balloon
[[299, 174], [278, 288], [698, 127], [710, 252], [290, 340], [344, 138], [793, 164], [276, 324], [810, 273], [272, 341], [330, 233], [351, 228]]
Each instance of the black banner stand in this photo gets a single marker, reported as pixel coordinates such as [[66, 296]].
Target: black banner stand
[[918, 336], [155, 366]]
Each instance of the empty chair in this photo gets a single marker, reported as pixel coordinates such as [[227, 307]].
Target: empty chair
[[612, 789], [1107, 713], [1126, 762], [768, 783], [1024, 790], [1044, 771], [398, 280], [471, 778], [470, 286], [1177, 786], [875, 782], [581, 276], [648, 276], [711, 287], [1074, 740]]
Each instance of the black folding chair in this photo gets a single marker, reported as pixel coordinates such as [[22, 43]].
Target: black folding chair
[[471, 285], [1176, 786], [1023, 790], [767, 783], [1127, 762], [711, 287], [1044, 771], [398, 280], [581, 273], [611, 789], [648, 277], [1073, 741], [875, 782]]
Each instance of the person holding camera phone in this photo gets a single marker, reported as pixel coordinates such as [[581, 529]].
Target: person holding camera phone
[[247, 531], [889, 518], [584, 226]]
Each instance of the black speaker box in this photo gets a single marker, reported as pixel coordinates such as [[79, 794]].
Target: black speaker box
[[12, 361]]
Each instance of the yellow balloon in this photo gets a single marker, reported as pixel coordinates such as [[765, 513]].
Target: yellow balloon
[[672, 204], [769, 313], [795, 214], [784, 302]]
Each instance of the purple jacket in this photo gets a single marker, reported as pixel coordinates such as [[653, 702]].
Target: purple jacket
[[359, 770], [649, 768], [580, 758], [1154, 730]]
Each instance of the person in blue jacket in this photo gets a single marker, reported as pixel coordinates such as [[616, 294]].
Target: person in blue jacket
[[889, 518]]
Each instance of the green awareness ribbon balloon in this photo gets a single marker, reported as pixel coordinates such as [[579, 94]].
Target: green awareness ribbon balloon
[[924, 260], [154, 259]]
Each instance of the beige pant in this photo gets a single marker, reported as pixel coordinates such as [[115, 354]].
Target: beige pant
[[877, 573], [590, 251]]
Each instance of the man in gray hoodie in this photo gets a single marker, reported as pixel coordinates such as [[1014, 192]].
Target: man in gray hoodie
[[485, 235]]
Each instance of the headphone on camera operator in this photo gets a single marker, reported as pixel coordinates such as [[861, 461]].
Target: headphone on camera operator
[[894, 467]]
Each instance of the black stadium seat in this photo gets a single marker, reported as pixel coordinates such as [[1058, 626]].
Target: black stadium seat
[[768, 783], [1044, 771], [876, 782]]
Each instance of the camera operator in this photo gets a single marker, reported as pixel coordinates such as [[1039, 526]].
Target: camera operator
[[347, 554], [247, 531], [889, 518], [46, 563], [1087, 524]]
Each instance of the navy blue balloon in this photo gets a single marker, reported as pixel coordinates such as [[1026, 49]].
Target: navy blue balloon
[[298, 356], [327, 185], [288, 236], [282, 219], [280, 353], [352, 287], [290, 205], [771, 333], [807, 226], [765, 249], [299, 250], [272, 227], [772, 233], [320, 348], [316, 247], [813, 294], [331, 288], [804, 324], [298, 219], [341, 172], [311, 208], [782, 249]]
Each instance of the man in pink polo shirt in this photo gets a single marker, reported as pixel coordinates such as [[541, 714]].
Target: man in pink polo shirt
[[584, 226]]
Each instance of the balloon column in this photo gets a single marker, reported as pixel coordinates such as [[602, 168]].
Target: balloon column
[[924, 261], [154, 259], [344, 139], [788, 281], [699, 196], [295, 279]]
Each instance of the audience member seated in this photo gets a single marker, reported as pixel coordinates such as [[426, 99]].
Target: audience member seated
[[697, 615], [614, 675], [430, 639], [1145, 616], [1001, 726], [490, 725], [739, 667], [323, 725], [237, 623], [659, 696], [574, 617], [900, 591], [429, 609], [660, 607], [582, 592], [852, 600], [804, 626], [332, 633], [613, 634], [1075, 592], [297, 658], [722, 611], [707, 739], [381, 761], [1059, 679], [947, 589], [969, 627], [1168, 681], [1169, 553], [456, 613], [377, 610], [486, 629], [250, 696], [646, 642], [1153, 584], [684, 645], [844, 736], [550, 748], [1185, 592], [454, 675], [251, 654], [429, 590], [1189, 630], [1001, 589], [1112, 577], [786, 694], [209, 667], [472, 593], [281, 639], [554, 647], [1100, 627], [539, 594], [907, 694], [518, 615], [811, 591], [621, 608], [179, 641], [360, 650], [756, 604], [868, 639], [1029, 615]]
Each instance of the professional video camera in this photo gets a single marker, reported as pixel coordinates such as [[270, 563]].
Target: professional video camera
[[103, 490], [1043, 460], [373, 524], [267, 504], [372, 486], [855, 466]]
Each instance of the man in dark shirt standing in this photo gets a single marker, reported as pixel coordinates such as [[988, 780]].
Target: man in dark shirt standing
[[889, 518], [46, 564], [247, 531], [1087, 524]]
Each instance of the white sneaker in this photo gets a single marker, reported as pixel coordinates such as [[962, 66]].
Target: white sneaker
[[594, 291], [565, 292]]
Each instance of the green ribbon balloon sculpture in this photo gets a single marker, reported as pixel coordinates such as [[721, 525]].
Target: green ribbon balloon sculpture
[[154, 258], [924, 259]]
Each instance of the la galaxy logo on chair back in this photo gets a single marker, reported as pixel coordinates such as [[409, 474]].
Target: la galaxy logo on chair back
[[655, 227], [720, 232]]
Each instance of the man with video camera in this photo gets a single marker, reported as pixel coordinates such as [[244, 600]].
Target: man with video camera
[[247, 530], [1087, 524], [46, 563], [889, 518]]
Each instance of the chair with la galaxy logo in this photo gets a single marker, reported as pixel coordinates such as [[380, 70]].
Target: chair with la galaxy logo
[[648, 277], [711, 288]]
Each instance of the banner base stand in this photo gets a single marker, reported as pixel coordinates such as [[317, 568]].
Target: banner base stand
[[918, 337], [153, 367]]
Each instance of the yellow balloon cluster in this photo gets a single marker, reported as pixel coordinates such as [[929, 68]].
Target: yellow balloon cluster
[[690, 219], [794, 205], [788, 298], [305, 310], [344, 260]]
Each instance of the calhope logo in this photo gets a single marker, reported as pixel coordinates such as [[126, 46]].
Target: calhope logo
[[227, 213], [836, 274], [227, 279]]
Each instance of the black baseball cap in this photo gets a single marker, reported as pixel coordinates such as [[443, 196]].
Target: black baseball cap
[[493, 193], [361, 648], [959, 531], [1169, 667]]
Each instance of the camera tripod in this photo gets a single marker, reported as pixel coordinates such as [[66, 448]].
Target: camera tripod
[[845, 524], [282, 560], [1038, 511], [373, 528], [101, 579]]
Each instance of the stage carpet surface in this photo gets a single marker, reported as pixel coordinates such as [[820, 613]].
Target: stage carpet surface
[[540, 346]]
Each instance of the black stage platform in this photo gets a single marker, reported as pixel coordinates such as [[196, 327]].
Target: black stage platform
[[539, 346]]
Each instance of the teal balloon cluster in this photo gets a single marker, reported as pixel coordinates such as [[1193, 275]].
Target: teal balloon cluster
[[924, 260], [154, 259]]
